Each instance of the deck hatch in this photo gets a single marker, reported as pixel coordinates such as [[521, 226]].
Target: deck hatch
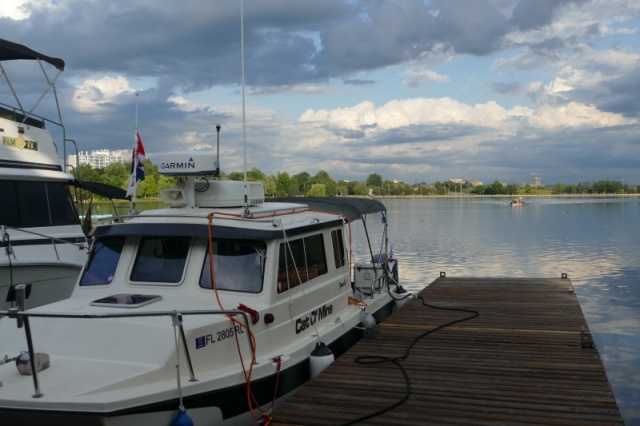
[[124, 300]]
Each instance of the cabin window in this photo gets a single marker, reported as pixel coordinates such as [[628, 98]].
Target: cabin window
[[27, 204], [238, 265], [339, 254], [161, 259], [300, 261], [9, 214], [103, 260]]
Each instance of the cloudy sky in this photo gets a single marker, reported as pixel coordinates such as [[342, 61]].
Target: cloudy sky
[[416, 90]]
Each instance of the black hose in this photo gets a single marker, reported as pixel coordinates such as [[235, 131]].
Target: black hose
[[377, 359]]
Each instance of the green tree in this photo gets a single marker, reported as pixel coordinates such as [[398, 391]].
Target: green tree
[[360, 189], [374, 180], [559, 188], [165, 182], [282, 184], [528, 189], [317, 190], [269, 186], [496, 188], [294, 187], [511, 189], [479, 189], [304, 182], [237, 176], [116, 174], [583, 188], [86, 173], [147, 188], [322, 177], [349, 185], [255, 175]]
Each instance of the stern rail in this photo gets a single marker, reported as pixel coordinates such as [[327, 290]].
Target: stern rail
[[22, 318]]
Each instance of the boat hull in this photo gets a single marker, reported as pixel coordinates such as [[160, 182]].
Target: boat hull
[[226, 406], [48, 282]]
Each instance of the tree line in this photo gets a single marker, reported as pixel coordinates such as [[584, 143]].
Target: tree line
[[323, 185]]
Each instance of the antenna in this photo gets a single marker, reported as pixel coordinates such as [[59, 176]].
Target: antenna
[[244, 115], [218, 127]]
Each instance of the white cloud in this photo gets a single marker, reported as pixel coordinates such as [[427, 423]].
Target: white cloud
[[417, 111], [184, 104], [498, 122], [95, 96], [416, 77], [574, 115], [20, 9]]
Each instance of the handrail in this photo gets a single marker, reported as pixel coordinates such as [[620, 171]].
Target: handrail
[[3, 229], [22, 317], [267, 218], [377, 284]]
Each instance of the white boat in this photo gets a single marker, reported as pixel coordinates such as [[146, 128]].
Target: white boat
[[148, 337], [43, 244]]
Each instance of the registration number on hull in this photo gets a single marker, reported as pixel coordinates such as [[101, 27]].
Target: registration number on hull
[[218, 336]]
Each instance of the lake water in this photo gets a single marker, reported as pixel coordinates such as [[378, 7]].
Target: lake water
[[594, 241]]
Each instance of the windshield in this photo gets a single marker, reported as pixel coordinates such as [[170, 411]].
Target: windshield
[[238, 265], [161, 259], [103, 260]]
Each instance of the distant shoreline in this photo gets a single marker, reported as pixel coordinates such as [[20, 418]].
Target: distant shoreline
[[505, 196], [382, 197]]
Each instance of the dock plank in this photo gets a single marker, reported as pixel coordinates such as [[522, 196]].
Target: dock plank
[[520, 362]]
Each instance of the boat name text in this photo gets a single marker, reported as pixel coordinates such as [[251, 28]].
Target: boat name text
[[314, 316], [20, 142]]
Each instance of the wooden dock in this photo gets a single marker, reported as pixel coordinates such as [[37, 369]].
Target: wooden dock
[[522, 360]]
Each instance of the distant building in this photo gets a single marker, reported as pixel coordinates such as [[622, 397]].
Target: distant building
[[535, 182], [98, 159]]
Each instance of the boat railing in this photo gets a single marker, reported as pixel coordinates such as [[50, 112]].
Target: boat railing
[[379, 283], [376, 285], [22, 318], [6, 240], [19, 115], [264, 216]]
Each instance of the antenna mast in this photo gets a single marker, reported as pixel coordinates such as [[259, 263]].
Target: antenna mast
[[244, 126], [218, 127]]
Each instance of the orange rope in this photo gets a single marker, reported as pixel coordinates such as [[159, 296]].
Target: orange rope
[[264, 417], [357, 302], [235, 321]]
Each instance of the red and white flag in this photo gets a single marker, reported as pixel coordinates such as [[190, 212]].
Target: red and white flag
[[137, 165]]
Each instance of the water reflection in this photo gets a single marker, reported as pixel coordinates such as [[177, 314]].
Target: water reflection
[[594, 241]]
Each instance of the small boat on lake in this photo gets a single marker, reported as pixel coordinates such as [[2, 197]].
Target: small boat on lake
[[213, 309], [517, 202]]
